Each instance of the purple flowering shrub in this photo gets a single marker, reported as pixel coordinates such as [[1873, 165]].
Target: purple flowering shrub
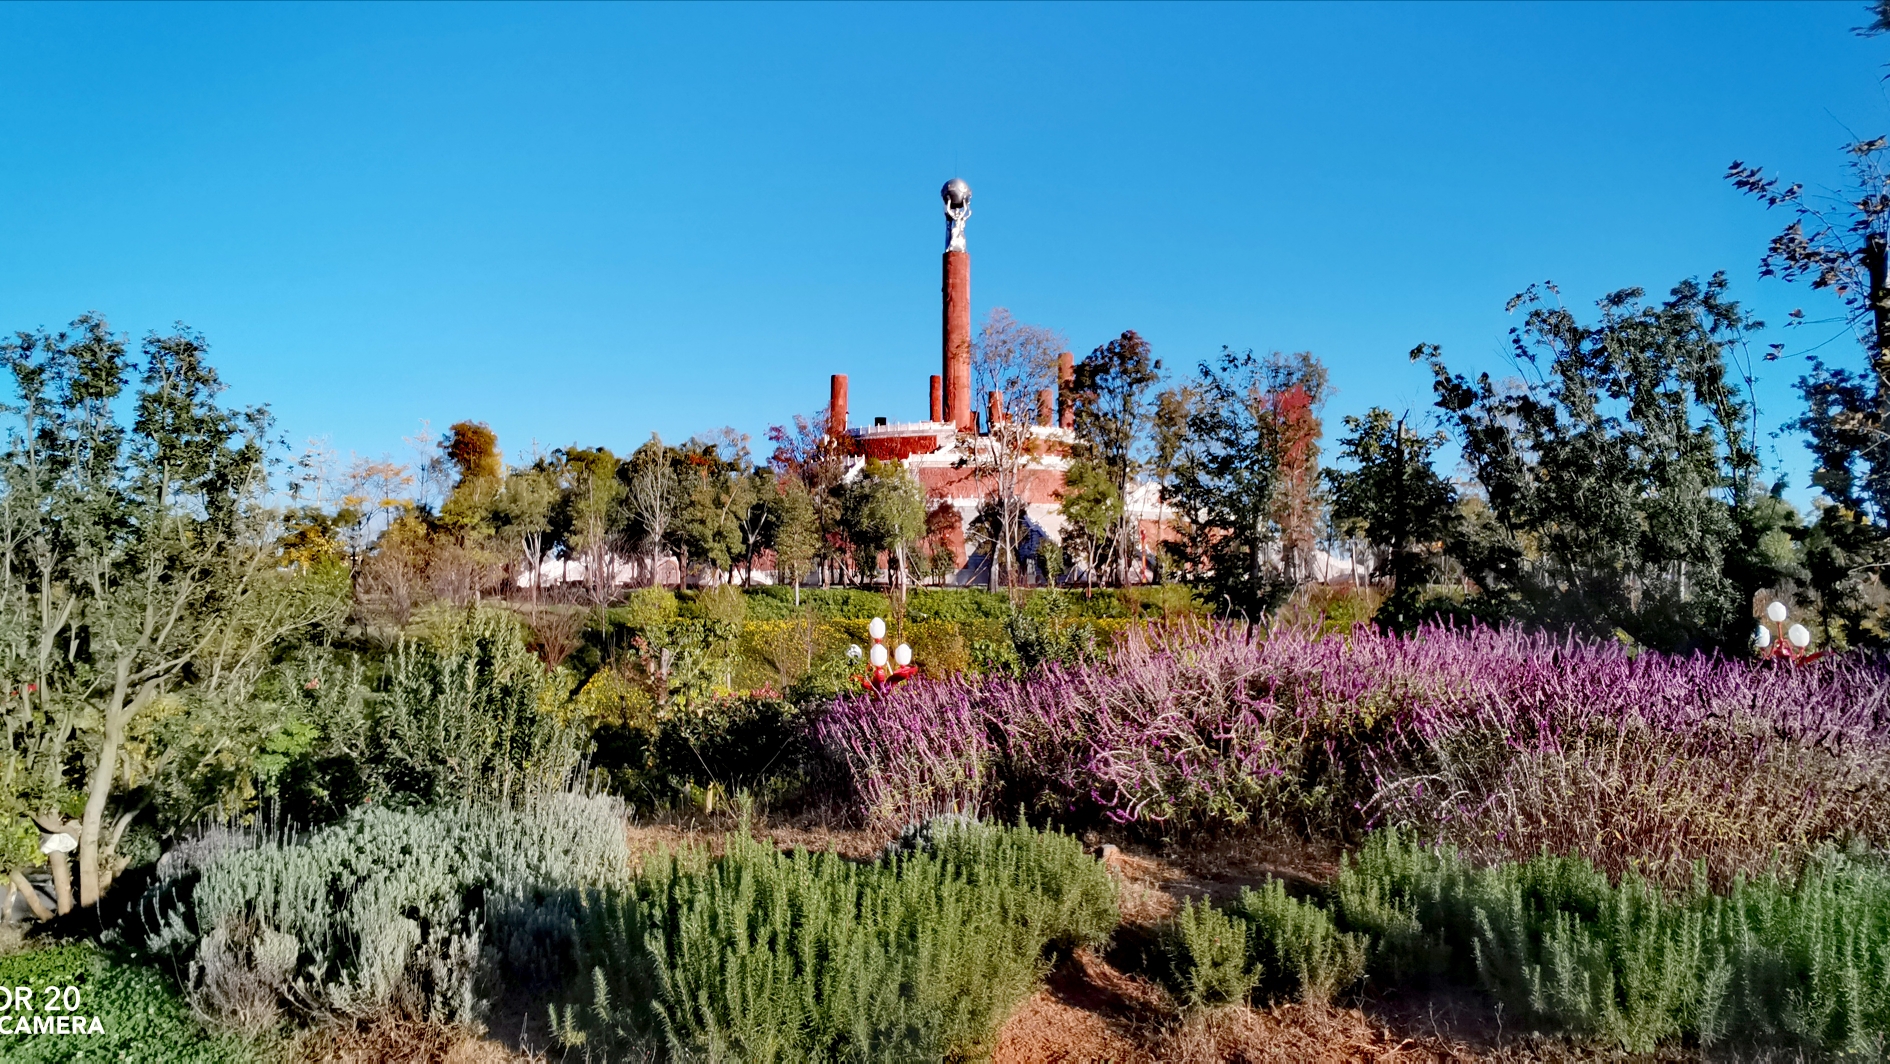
[[1501, 742]]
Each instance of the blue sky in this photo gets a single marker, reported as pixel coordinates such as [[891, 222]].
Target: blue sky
[[585, 223]]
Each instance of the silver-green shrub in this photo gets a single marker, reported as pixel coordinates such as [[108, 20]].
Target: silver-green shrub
[[386, 910], [768, 956]]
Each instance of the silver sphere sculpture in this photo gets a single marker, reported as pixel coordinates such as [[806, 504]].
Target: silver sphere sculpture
[[956, 193]]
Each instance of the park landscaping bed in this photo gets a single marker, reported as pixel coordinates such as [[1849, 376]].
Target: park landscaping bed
[[1218, 843]]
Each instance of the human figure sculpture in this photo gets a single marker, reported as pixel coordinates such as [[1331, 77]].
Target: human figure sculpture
[[957, 197]]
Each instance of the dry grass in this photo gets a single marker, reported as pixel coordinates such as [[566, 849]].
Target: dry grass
[[390, 1039]]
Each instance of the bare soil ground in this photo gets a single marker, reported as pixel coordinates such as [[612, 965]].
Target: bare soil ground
[[1094, 1007]]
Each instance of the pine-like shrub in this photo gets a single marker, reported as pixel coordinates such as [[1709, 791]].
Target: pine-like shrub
[[1410, 901], [1207, 957], [385, 910], [769, 956], [1295, 947], [1804, 963], [471, 713]]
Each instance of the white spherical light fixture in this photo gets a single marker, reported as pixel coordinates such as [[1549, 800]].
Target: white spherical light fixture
[[1763, 639], [876, 628], [879, 655], [1799, 635], [1776, 613], [903, 655]]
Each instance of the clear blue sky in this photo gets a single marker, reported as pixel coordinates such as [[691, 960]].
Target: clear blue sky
[[585, 223]]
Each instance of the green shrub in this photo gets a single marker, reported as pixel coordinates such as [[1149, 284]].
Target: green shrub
[[139, 1013], [766, 956], [1050, 639], [725, 603], [1206, 953], [842, 603], [1062, 892], [1163, 601], [1805, 962], [956, 605], [645, 606], [471, 713], [938, 649], [1410, 901], [748, 743], [387, 909], [683, 663], [1295, 946]]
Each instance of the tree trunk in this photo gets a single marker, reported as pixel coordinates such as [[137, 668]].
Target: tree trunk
[[34, 900], [90, 828], [62, 880]]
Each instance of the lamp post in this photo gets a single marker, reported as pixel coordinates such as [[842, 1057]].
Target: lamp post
[[882, 678], [1780, 642]]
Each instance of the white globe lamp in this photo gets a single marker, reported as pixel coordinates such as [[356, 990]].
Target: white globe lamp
[[1800, 636], [879, 655], [877, 628], [903, 655], [1776, 613]]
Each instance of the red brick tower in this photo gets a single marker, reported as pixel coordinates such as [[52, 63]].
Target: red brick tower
[[837, 407], [957, 196], [1066, 385]]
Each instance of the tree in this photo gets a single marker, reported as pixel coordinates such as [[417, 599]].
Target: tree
[[1614, 471], [1015, 361], [1394, 500], [796, 532], [1841, 244], [522, 514], [1169, 429], [806, 453], [755, 517], [1091, 505], [713, 495], [1228, 473], [591, 500], [463, 563], [1297, 506], [1112, 389], [886, 514], [472, 449], [654, 499], [133, 558]]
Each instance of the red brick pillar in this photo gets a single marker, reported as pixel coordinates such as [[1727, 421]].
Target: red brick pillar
[[958, 340], [938, 398], [1046, 407], [1066, 383], [837, 407], [996, 408]]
